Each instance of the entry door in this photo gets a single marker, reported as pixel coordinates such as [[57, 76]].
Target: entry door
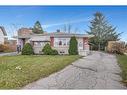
[[23, 41]]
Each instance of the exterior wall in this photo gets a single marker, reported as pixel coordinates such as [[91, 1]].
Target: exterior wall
[[80, 43], [1, 37], [85, 50], [83, 47], [63, 48], [21, 43], [12, 45], [40, 41], [86, 45], [52, 41], [38, 46]]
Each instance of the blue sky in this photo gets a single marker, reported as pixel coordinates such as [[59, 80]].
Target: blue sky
[[55, 17]]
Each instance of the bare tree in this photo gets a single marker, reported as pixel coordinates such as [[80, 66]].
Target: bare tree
[[64, 28], [67, 28]]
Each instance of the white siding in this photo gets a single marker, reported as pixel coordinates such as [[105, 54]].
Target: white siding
[[80, 43], [38, 46], [1, 37], [20, 42]]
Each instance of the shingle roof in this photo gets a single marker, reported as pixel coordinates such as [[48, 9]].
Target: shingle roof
[[63, 34], [27, 33], [40, 38], [3, 30]]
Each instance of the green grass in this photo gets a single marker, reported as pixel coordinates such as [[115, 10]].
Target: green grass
[[18, 71], [122, 60]]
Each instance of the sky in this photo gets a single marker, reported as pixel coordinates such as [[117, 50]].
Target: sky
[[56, 17]]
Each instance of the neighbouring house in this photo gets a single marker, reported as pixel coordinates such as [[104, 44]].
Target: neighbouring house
[[12, 44], [3, 35], [9, 44], [58, 40]]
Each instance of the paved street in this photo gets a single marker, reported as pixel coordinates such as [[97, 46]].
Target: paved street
[[96, 71]]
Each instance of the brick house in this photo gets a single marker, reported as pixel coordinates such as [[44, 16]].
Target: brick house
[[58, 40]]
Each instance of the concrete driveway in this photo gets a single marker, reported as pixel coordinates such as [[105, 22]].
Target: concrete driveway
[[96, 71]]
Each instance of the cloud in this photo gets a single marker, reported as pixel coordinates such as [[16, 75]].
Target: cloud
[[66, 22]]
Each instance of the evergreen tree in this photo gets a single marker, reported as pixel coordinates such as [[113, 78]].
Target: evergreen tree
[[37, 28], [102, 31], [47, 49], [27, 49], [73, 49]]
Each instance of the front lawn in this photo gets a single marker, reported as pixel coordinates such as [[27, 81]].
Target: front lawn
[[122, 60], [17, 71]]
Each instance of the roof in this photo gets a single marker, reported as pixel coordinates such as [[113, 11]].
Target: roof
[[3, 30], [27, 33], [24, 33], [40, 38], [63, 34]]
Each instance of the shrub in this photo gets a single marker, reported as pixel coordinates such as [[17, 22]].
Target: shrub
[[73, 49], [54, 52], [118, 48], [1, 48], [47, 50], [27, 49]]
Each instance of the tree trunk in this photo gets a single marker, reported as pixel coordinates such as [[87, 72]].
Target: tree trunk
[[99, 47]]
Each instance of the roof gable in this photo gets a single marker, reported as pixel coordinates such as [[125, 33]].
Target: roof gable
[[3, 30]]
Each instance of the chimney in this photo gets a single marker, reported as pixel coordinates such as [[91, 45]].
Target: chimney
[[58, 30]]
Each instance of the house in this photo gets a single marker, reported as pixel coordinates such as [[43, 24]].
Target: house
[[12, 44], [24, 34], [3, 35], [58, 40]]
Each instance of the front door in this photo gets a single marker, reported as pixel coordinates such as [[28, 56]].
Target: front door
[[23, 40]]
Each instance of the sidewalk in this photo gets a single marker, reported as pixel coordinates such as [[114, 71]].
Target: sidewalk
[[8, 54]]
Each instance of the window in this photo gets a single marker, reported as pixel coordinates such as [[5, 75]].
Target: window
[[64, 42], [41, 43], [38, 43], [61, 41], [80, 44], [68, 43], [35, 43]]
